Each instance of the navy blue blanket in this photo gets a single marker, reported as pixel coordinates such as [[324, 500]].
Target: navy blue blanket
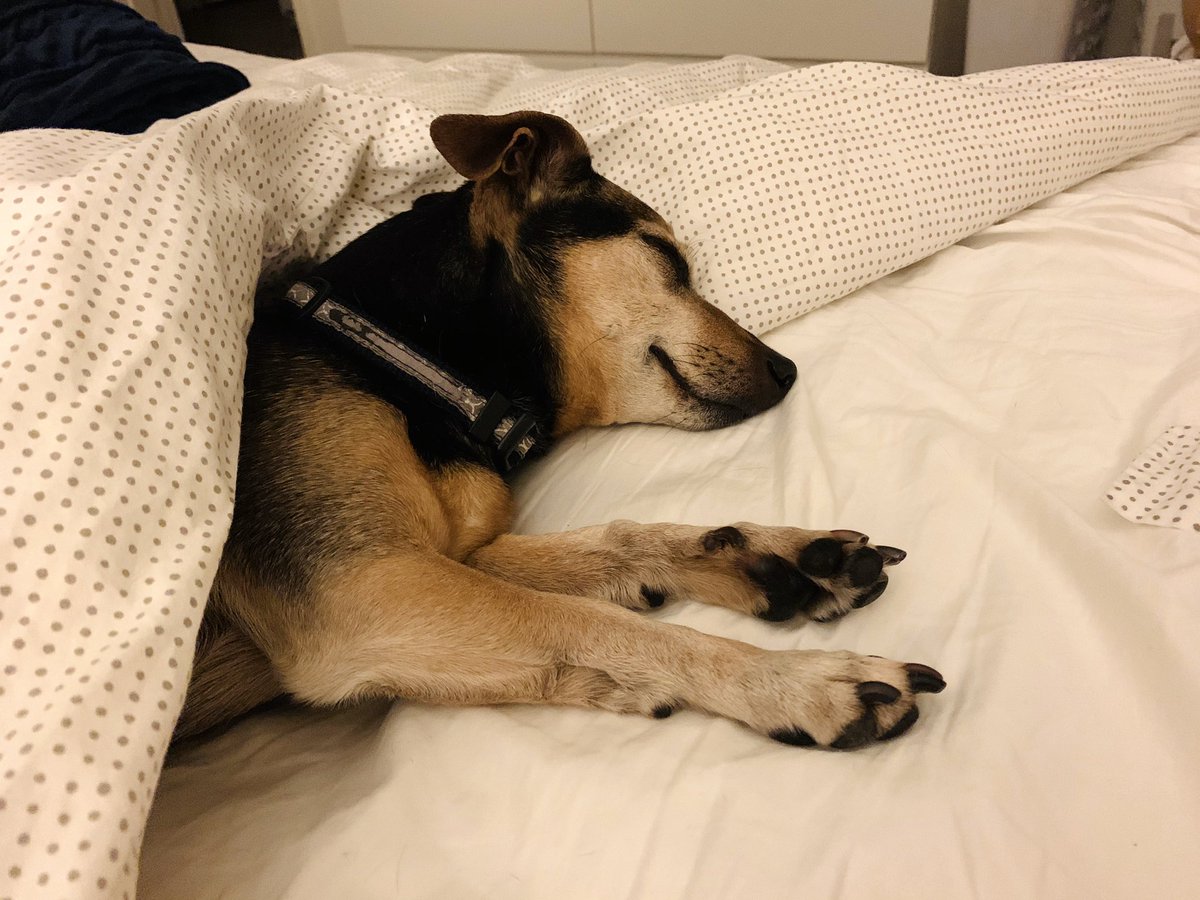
[[97, 64]]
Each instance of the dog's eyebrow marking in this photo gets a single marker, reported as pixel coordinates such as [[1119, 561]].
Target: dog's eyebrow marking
[[677, 265]]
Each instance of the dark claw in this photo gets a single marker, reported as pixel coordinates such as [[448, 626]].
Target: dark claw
[[872, 595], [905, 723], [924, 680], [875, 692], [864, 566], [654, 598], [797, 737], [821, 558], [891, 555], [845, 534]]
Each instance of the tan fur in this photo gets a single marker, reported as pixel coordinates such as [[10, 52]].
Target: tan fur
[[477, 504], [515, 160], [617, 300], [494, 216], [422, 627], [613, 562], [380, 477], [592, 328], [230, 676]]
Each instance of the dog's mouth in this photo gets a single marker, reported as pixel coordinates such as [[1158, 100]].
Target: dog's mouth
[[719, 413]]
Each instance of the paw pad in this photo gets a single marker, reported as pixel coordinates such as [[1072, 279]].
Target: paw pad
[[797, 737], [906, 722], [864, 566], [822, 558], [787, 589]]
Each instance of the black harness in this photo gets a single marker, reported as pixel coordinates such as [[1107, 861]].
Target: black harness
[[504, 431]]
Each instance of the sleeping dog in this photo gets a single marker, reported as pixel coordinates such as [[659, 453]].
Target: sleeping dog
[[369, 554]]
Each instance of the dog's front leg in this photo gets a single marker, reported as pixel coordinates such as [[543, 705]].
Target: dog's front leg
[[422, 626], [772, 572]]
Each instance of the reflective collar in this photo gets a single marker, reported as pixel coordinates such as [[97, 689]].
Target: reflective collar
[[503, 430]]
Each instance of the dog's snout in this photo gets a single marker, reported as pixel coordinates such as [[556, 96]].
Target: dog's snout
[[782, 369]]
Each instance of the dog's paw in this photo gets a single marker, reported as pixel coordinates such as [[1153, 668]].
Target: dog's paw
[[837, 701], [818, 575]]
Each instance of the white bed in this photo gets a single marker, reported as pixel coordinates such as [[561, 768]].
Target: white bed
[[974, 408]]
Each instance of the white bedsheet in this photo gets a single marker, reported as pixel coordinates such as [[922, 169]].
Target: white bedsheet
[[972, 409]]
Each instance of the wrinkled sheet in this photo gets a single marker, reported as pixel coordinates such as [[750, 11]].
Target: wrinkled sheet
[[971, 409], [127, 268]]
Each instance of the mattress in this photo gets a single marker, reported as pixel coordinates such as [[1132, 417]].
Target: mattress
[[971, 408], [1015, 410]]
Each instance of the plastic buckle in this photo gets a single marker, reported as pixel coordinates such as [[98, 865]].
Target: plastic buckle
[[508, 453], [321, 289], [489, 417]]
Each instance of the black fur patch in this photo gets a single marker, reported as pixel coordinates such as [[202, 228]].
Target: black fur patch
[[582, 218], [654, 598], [419, 275], [787, 589], [859, 732], [720, 538], [676, 265]]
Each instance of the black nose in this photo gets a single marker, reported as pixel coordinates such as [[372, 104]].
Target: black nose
[[783, 370]]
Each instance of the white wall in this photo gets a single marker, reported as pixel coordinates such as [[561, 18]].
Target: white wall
[[161, 12], [1155, 9], [1004, 33]]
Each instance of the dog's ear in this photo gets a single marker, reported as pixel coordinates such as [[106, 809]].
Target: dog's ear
[[521, 146]]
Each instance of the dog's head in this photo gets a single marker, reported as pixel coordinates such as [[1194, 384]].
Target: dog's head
[[633, 341]]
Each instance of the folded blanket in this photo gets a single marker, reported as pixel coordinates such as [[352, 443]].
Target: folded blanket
[[98, 65]]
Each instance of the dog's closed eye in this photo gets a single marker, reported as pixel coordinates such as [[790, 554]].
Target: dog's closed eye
[[676, 264]]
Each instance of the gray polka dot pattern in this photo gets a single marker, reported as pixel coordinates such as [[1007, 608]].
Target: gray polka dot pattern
[[1162, 486], [128, 265]]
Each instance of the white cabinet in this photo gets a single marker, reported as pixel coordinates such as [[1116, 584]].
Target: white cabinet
[[893, 31], [591, 32], [546, 26]]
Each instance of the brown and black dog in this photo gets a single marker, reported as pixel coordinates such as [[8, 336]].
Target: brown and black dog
[[369, 554]]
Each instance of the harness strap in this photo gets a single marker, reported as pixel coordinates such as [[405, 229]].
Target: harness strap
[[499, 426]]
